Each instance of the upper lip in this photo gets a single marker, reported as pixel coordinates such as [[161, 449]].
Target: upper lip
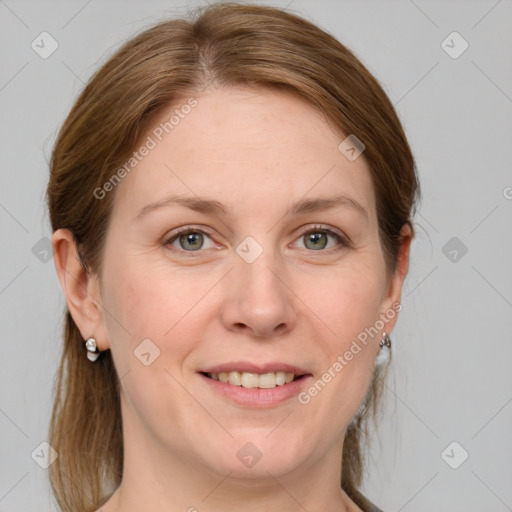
[[246, 366]]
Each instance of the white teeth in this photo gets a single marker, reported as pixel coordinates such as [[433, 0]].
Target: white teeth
[[266, 380], [235, 378], [281, 378], [250, 380], [254, 380]]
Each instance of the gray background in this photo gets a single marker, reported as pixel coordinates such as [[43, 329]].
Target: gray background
[[451, 378]]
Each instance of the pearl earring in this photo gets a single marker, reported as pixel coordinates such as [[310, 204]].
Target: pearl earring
[[385, 350], [92, 350]]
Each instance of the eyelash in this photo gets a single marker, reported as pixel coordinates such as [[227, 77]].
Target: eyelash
[[343, 241]]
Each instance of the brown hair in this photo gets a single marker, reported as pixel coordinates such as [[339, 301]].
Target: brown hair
[[228, 45]]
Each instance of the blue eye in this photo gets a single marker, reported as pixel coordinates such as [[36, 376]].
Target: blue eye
[[189, 239], [316, 239]]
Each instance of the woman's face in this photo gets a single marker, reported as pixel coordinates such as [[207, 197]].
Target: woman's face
[[282, 271]]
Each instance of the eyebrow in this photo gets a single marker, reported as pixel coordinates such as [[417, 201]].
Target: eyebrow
[[213, 207]]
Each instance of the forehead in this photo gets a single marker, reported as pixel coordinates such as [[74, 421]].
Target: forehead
[[246, 146]]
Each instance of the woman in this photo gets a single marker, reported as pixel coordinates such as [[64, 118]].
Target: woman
[[232, 200]]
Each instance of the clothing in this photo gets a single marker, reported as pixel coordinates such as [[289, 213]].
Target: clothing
[[363, 503]]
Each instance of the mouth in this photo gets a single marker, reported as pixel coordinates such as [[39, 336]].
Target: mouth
[[254, 385], [251, 389], [267, 380]]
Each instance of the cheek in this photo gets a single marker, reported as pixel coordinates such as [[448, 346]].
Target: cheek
[[346, 299], [150, 300], [348, 304], [146, 302]]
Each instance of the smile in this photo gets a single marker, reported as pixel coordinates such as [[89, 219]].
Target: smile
[[267, 380]]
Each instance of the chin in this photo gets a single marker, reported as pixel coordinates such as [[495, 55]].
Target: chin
[[260, 456]]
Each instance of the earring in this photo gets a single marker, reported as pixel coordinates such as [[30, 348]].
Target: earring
[[92, 350], [385, 350]]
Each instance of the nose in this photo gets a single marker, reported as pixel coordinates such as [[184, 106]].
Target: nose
[[259, 301]]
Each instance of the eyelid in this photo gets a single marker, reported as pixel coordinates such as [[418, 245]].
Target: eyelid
[[189, 228], [342, 238]]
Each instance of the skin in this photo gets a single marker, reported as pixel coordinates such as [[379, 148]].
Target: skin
[[257, 152]]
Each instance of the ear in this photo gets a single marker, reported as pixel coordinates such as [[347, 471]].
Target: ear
[[393, 294], [81, 288]]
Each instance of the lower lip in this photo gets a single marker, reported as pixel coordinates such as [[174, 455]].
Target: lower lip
[[257, 397]]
